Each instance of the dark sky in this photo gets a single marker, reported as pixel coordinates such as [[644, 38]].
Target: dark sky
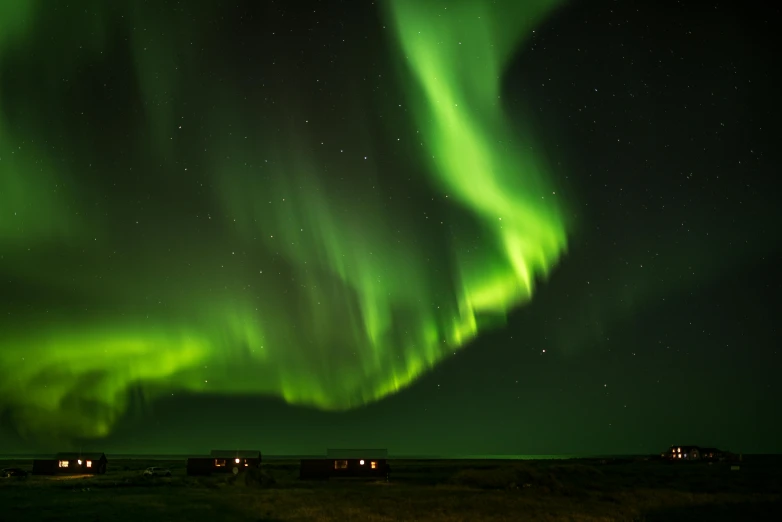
[[435, 227]]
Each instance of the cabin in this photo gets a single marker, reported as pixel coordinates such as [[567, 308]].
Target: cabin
[[71, 464], [695, 453], [354, 464], [224, 461]]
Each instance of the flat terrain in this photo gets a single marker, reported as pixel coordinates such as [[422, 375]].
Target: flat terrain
[[436, 490]]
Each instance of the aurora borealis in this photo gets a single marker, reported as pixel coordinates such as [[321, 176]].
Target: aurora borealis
[[394, 214], [284, 282]]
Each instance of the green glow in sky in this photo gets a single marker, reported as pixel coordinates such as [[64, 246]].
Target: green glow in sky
[[457, 51], [277, 279]]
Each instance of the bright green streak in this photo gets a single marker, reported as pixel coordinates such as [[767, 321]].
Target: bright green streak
[[294, 289], [457, 51]]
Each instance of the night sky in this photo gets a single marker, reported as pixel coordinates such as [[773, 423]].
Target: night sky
[[438, 227]]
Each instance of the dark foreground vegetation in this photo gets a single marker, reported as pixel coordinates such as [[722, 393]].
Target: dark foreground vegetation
[[576, 490]]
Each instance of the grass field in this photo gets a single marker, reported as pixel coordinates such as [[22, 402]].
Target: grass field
[[418, 490]]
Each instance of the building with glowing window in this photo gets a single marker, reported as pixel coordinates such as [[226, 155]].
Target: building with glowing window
[[224, 461], [82, 463], [347, 463]]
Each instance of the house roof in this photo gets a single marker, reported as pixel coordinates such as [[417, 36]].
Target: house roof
[[86, 455], [235, 454], [357, 453]]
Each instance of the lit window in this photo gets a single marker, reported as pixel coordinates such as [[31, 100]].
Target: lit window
[[373, 465], [89, 463], [63, 463], [340, 464], [219, 462], [361, 462], [680, 455], [245, 464], [236, 460], [79, 461], [680, 450]]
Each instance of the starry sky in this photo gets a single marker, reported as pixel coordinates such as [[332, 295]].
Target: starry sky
[[441, 227]]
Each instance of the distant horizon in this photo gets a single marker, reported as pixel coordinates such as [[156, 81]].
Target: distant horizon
[[391, 456], [419, 455]]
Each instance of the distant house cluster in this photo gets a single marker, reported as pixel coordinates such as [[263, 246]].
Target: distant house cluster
[[338, 463], [218, 461], [696, 453]]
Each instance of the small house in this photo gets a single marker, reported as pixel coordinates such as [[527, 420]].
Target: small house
[[356, 464], [224, 461], [71, 464]]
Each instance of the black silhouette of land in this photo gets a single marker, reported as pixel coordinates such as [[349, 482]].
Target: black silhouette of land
[[633, 489]]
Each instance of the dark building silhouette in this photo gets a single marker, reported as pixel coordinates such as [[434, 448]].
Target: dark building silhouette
[[224, 461], [347, 463], [82, 463]]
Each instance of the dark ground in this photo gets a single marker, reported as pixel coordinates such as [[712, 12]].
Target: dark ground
[[441, 490]]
